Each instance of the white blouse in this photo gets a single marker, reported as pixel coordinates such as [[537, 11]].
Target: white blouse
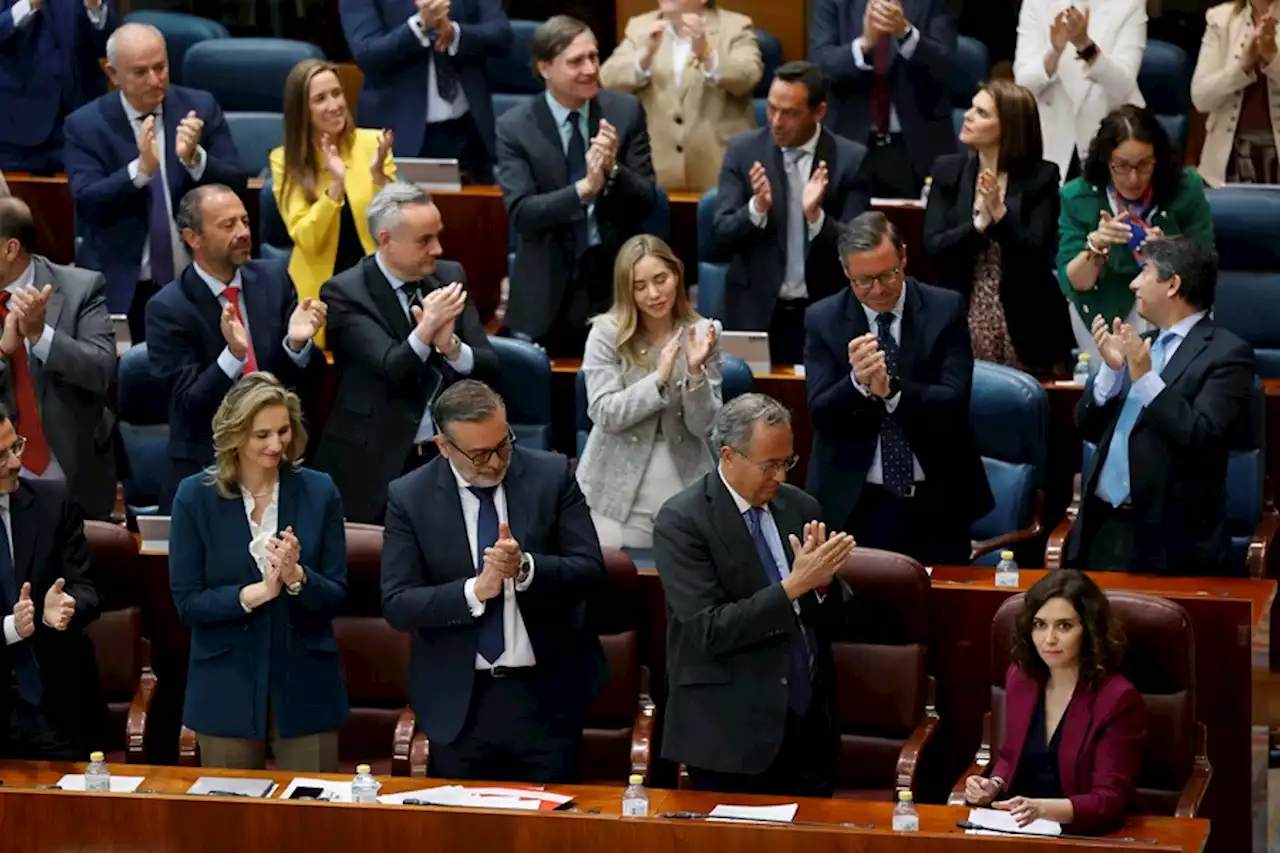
[[264, 531]]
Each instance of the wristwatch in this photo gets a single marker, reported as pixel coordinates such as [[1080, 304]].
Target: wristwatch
[[526, 566], [296, 587]]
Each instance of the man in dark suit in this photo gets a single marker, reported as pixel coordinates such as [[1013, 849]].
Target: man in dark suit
[[783, 191], [888, 368], [424, 75], [1155, 493], [59, 365], [577, 181], [488, 557], [49, 52], [889, 63], [57, 711], [402, 329], [224, 317], [130, 157], [749, 574]]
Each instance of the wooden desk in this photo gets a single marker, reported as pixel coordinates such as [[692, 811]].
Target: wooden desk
[[39, 819]]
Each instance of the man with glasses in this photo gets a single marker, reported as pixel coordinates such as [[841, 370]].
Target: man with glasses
[[749, 573], [888, 368], [488, 557]]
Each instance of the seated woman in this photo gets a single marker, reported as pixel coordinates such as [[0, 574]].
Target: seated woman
[[990, 230], [1133, 189], [1074, 727], [652, 368], [693, 67], [1236, 80], [324, 177], [258, 568]]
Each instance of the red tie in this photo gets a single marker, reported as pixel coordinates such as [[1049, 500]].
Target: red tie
[[36, 458], [881, 99], [232, 294]]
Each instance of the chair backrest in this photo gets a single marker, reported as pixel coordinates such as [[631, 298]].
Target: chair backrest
[[364, 570], [1009, 419], [581, 410], [180, 32], [969, 70], [706, 225], [760, 111], [255, 134], [246, 73], [271, 227], [736, 377], [711, 285], [113, 559], [615, 612], [525, 386], [771, 54], [658, 222], [1245, 222], [512, 72], [1165, 81], [120, 653], [503, 101], [142, 405]]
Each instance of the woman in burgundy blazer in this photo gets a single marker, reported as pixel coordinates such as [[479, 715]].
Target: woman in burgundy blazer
[[1074, 727]]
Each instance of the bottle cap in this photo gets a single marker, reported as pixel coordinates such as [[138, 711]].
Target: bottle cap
[[96, 756], [362, 768], [1084, 356], [1006, 555], [636, 779], [904, 796]]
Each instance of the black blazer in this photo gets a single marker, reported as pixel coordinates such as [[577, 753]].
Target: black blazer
[[1034, 307], [729, 630], [426, 560], [543, 205], [383, 387], [184, 339], [758, 256], [1178, 453], [936, 374]]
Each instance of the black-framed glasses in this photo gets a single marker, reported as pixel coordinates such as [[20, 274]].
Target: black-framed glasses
[[771, 466], [482, 457], [18, 447], [1124, 170], [884, 279]]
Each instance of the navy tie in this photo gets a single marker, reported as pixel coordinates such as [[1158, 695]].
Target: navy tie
[[897, 471], [492, 641], [446, 76], [799, 684], [26, 670], [159, 227], [576, 159]]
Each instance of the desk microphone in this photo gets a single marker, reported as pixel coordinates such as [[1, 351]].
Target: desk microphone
[[704, 816], [968, 824]]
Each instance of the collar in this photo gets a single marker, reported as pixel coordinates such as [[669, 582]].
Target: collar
[[27, 278], [5, 501], [248, 498], [811, 146], [397, 283], [215, 286], [738, 500], [872, 314], [133, 115], [1184, 326], [560, 112], [463, 485]]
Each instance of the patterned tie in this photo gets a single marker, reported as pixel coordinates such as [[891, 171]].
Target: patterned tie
[[576, 158], [159, 222], [797, 241], [447, 84], [232, 294], [881, 92], [1113, 481], [897, 471], [37, 456], [492, 641], [26, 670], [799, 681]]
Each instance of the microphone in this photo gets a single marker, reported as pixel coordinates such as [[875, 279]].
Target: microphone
[[968, 824], [705, 816]]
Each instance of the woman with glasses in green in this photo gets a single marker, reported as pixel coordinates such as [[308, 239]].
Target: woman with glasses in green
[[1133, 189]]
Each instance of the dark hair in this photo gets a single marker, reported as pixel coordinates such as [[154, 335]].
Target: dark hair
[[1021, 143], [865, 232], [1101, 643], [1140, 125], [17, 223], [553, 37], [190, 212], [4, 413], [800, 71], [1196, 267], [469, 401]]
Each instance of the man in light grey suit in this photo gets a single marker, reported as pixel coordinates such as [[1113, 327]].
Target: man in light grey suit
[[59, 362]]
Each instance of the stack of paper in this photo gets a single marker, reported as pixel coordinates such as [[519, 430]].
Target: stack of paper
[[525, 799], [119, 784], [1004, 822], [764, 814]]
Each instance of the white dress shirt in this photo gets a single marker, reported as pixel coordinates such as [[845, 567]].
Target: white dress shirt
[[262, 532], [768, 526], [906, 49], [39, 353], [10, 632], [805, 165], [1109, 380], [231, 365], [438, 109], [681, 51], [24, 13]]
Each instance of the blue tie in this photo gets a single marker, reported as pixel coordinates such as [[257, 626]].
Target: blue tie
[[576, 158], [1113, 481], [26, 670], [446, 76], [492, 641], [799, 685], [159, 229], [897, 472]]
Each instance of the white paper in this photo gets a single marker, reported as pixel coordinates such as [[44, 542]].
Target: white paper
[[765, 814], [1067, 383], [799, 370], [119, 784], [155, 547], [332, 792], [993, 819], [456, 795]]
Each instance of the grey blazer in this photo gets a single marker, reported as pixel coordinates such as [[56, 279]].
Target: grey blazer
[[626, 407], [73, 384]]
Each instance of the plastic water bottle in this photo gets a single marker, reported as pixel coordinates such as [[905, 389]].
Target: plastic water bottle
[[1007, 571], [635, 800], [364, 788], [905, 816], [1083, 369], [925, 190], [96, 776]]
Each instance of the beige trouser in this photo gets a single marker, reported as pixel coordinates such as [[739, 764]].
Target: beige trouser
[[661, 481], [316, 753]]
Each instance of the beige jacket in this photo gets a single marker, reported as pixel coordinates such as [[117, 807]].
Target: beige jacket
[[1217, 88], [690, 124]]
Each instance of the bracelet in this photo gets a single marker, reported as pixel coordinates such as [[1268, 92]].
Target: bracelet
[[1094, 250], [1088, 53]]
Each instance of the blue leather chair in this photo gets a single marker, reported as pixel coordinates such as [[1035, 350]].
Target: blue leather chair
[[736, 378], [1246, 221], [245, 74], [273, 237], [1165, 81], [658, 222], [180, 32], [581, 418], [503, 101], [255, 135], [969, 71], [513, 73], [771, 54], [525, 386], [142, 407], [1009, 417], [760, 107], [711, 275]]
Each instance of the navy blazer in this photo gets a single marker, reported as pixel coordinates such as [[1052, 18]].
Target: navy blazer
[[920, 86], [285, 649], [426, 560], [111, 213], [395, 64], [184, 339]]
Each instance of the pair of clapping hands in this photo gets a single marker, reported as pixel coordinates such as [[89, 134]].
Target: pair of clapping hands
[[59, 608], [25, 319], [1121, 344]]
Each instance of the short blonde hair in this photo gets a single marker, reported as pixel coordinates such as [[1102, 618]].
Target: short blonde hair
[[233, 422]]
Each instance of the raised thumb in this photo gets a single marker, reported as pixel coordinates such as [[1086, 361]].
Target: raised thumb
[[26, 592], [58, 585]]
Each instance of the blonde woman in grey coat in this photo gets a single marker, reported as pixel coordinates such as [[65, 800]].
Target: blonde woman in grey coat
[[653, 370]]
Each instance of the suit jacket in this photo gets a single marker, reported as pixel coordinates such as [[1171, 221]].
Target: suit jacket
[[758, 256], [73, 384], [284, 651], [690, 124], [920, 86], [184, 340], [426, 560], [1034, 307], [1099, 755], [1178, 453], [111, 212], [395, 64], [383, 387], [543, 204], [936, 374], [1218, 85]]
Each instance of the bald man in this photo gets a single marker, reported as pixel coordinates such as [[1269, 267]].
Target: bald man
[[130, 157]]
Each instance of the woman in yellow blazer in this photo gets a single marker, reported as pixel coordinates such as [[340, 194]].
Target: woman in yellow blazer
[[693, 67], [324, 177]]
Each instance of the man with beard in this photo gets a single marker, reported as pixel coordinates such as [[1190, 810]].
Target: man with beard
[[225, 316]]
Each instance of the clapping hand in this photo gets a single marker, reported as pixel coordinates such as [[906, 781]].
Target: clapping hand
[[815, 191], [989, 192], [337, 168], [1266, 41], [59, 606], [667, 358], [817, 559], [698, 349], [692, 28], [306, 321], [188, 137], [606, 142], [1077, 23], [504, 555], [1113, 230], [148, 158], [233, 331], [1137, 351], [24, 613], [890, 17], [378, 166], [443, 337], [1108, 342], [657, 32], [31, 305], [868, 364], [761, 189], [11, 338], [1058, 32], [285, 550], [439, 307]]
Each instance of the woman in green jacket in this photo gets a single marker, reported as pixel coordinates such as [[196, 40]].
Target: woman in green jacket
[[1133, 189]]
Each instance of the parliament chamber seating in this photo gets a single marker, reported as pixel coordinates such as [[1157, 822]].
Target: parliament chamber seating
[[180, 31], [1164, 78], [511, 78], [525, 386], [771, 58], [970, 71], [1246, 222], [143, 410], [711, 271], [274, 241], [255, 134], [245, 74]]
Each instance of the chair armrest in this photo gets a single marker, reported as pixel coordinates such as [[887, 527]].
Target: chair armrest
[[1006, 541], [909, 758], [642, 738], [1055, 550], [135, 727], [981, 761], [1201, 772], [419, 755], [402, 743], [682, 777], [188, 749], [1257, 559]]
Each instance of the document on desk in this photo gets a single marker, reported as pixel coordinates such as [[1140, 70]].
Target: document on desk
[[521, 799], [764, 814], [227, 786], [1004, 822], [119, 784], [330, 791]]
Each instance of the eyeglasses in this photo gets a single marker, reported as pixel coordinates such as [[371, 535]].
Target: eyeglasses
[[771, 466], [884, 279], [1124, 170], [481, 458], [16, 449]]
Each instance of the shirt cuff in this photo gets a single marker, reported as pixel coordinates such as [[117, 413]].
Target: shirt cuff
[[198, 161], [858, 59], [40, 349], [230, 365], [891, 403], [415, 24], [907, 48], [758, 219], [1147, 388], [302, 358], [643, 73], [1106, 384], [452, 49], [465, 362], [97, 17], [421, 350], [861, 389], [475, 605], [815, 228], [711, 66], [523, 583], [10, 631], [21, 12], [135, 174]]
